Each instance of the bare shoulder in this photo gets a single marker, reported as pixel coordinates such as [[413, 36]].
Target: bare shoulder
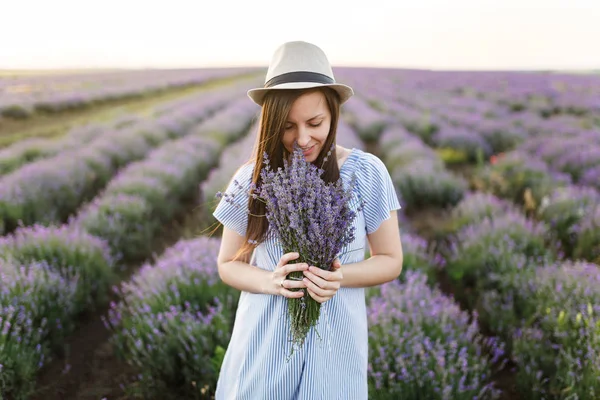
[[342, 154]]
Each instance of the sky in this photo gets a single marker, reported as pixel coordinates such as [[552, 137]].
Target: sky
[[433, 34]]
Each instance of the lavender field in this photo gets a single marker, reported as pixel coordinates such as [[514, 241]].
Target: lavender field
[[109, 286]]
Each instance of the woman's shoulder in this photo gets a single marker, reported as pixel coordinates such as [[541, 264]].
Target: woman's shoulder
[[244, 171], [371, 172], [368, 163]]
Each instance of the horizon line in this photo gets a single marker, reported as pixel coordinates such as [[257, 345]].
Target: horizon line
[[594, 69]]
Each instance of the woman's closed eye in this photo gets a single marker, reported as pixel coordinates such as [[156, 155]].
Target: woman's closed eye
[[311, 125]]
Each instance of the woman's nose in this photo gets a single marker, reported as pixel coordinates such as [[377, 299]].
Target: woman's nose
[[303, 137]]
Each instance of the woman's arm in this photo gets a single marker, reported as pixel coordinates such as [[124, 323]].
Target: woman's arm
[[245, 277], [385, 263], [240, 274]]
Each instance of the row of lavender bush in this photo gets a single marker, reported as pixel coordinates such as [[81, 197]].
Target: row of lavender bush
[[402, 138], [219, 176], [49, 276], [123, 221], [542, 307], [575, 153], [32, 149], [549, 176], [364, 119], [545, 307], [50, 190], [418, 173], [502, 131], [58, 93]]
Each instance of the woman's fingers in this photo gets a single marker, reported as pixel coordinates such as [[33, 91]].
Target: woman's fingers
[[322, 285], [318, 290], [292, 294], [336, 264], [320, 299], [286, 258], [325, 275], [295, 267], [320, 282], [294, 284]]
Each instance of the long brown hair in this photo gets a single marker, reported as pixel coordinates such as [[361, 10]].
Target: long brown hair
[[275, 110]]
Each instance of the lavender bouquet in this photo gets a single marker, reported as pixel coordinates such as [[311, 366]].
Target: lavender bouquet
[[308, 216]]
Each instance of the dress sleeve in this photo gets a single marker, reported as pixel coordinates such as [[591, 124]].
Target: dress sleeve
[[232, 216], [377, 190]]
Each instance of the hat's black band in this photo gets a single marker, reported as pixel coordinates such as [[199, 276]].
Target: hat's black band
[[299, 76]]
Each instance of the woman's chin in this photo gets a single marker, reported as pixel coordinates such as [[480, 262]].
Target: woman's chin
[[311, 158]]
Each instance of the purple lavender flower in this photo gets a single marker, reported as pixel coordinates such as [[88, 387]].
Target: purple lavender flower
[[424, 182], [219, 176], [588, 236], [37, 310], [476, 206], [418, 256], [368, 122], [591, 177], [565, 209], [465, 140]]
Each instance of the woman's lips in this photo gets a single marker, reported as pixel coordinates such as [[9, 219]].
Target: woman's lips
[[307, 152]]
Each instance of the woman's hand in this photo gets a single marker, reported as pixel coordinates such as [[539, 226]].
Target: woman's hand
[[323, 285], [280, 283]]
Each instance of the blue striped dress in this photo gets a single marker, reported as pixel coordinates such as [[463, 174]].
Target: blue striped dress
[[332, 364]]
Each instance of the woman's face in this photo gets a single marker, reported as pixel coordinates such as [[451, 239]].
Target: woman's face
[[308, 123]]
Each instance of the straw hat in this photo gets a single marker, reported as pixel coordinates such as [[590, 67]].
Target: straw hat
[[299, 65]]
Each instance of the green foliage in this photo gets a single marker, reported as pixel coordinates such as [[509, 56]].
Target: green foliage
[[425, 186], [520, 178], [452, 156], [549, 316], [125, 222], [484, 252]]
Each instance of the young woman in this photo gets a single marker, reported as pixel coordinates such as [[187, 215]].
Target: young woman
[[301, 103]]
